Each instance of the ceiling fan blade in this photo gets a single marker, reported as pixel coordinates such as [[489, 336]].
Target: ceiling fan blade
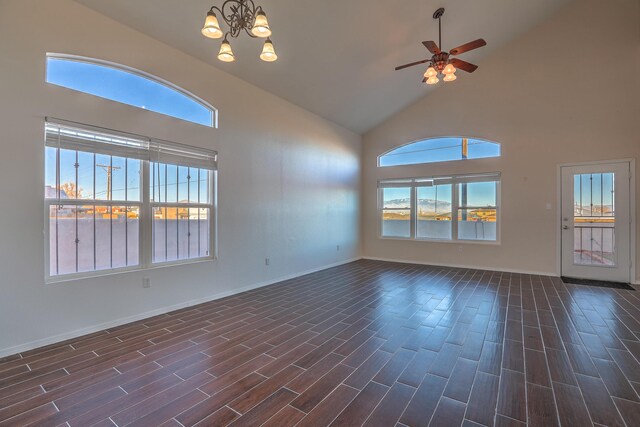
[[468, 46], [463, 65], [432, 46], [412, 64]]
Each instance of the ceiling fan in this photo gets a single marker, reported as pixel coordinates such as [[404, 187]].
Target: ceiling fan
[[441, 62]]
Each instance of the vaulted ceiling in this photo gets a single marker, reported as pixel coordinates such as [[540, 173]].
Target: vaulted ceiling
[[337, 57]]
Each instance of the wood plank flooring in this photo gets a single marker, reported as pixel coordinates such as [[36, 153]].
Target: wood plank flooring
[[367, 343]]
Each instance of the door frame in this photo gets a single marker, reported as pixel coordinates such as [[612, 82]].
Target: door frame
[[632, 213]]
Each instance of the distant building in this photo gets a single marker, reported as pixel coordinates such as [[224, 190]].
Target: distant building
[[52, 193]]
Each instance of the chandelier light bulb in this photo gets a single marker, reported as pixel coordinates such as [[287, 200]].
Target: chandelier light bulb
[[261, 25], [226, 54], [211, 26], [431, 72], [449, 77], [268, 52], [449, 69], [432, 80]]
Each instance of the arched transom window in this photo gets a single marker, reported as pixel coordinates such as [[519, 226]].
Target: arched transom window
[[128, 86], [441, 149]]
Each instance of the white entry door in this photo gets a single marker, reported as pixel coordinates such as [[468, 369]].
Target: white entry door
[[596, 222]]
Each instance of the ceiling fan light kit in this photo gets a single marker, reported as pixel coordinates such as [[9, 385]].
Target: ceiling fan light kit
[[239, 15], [441, 62]]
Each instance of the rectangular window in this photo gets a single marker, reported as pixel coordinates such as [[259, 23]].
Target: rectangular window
[[116, 201], [181, 203], [455, 208]]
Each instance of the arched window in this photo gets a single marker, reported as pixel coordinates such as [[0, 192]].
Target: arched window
[[128, 86], [442, 149]]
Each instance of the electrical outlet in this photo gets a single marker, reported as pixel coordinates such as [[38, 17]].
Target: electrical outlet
[[459, 248], [266, 261], [146, 282]]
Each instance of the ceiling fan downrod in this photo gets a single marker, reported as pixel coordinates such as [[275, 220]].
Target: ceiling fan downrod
[[438, 15]]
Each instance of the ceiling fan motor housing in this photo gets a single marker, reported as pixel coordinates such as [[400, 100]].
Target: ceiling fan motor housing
[[440, 61]]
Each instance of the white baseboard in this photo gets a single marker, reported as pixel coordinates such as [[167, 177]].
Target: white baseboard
[[473, 267], [122, 321]]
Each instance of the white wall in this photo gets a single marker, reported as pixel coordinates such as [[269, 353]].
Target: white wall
[[288, 180], [567, 91]]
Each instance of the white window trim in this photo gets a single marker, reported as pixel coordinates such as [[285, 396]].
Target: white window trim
[[145, 237], [415, 183]]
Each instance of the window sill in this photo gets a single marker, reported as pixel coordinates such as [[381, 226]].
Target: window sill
[[123, 271], [472, 242]]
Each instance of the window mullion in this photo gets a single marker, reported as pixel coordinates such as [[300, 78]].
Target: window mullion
[[146, 219], [199, 247], [95, 243], [166, 213], [454, 211], [188, 213], [177, 213], [413, 213]]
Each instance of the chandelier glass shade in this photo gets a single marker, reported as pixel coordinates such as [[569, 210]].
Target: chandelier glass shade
[[211, 27], [226, 54], [261, 26], [268, 52], [239, 16]]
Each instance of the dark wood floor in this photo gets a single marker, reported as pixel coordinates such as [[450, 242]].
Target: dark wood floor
[[368, 343]]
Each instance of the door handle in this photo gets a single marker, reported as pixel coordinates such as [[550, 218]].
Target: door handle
[[565, 227]]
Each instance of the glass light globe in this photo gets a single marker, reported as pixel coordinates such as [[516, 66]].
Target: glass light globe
[[226, 54], [449, 77], [261, 26], [268, 52], [211, 26], [449, 69], [431, 72]]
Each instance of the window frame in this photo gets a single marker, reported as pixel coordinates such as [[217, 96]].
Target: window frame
[[414, 184], [145, 205], [138, 73]]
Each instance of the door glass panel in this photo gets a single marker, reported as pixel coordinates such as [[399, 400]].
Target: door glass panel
[[594, 219]]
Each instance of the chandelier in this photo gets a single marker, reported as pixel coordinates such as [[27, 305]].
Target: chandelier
[[239, 15]]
